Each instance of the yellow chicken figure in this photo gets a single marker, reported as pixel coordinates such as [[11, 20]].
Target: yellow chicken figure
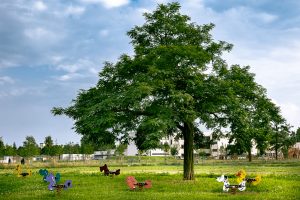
[[241, 175], [22, 174]]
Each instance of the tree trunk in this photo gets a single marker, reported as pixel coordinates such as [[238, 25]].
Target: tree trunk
[[249, 155], [188, 163]]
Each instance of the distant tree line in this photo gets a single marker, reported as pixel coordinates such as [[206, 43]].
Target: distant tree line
[[31, 148], [278, 140]]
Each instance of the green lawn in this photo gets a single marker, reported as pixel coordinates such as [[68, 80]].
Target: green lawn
[[280, 180]]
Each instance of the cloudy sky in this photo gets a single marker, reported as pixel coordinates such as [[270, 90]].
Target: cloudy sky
[[49, 49]]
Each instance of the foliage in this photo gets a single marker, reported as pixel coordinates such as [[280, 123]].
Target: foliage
[[48, 148], [29, 148], [10, 150], [174, 150], [86, 147], [281, 138], [201, 141], [71, 148], [57, 149], [251, 113], [297, 135], [120, 150], [2, 147], [165, 147]]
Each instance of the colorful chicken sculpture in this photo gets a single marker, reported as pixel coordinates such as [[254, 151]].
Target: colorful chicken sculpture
[[227, 186], [45, 173], [133, 184], [53, 183], [20, 173], [241, 175], [107, 172]]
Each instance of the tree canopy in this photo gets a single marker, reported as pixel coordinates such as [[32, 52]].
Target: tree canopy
[[175, 81], [29, 148]]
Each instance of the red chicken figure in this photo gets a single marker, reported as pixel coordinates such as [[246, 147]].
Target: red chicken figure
[[133, 184]]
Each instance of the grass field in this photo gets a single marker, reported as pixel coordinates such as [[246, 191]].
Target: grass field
[[280, 180]]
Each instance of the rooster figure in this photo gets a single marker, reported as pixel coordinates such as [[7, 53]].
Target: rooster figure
[[107, 172], [20, 173], [241, 175], [45, 173], [133, 184], [226, 186], [53, 184]]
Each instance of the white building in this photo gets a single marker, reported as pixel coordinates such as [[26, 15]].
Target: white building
[[8, 159], [217, 150], [172, 142], [74, 157], [99, 155]]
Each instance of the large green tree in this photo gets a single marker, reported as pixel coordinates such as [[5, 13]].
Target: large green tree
[[175, 81], [71, 148], [48, 146], [86, 147], [281, 138], [251, 115], [297, 135], [30, 147], [10, 150], [57, 150]]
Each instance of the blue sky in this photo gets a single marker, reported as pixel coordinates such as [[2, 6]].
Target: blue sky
[[49, 49]]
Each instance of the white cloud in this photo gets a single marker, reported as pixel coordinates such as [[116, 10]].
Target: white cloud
[[40, 37], [15, 92], [108, 3], [6, 79], [143, 10], [71, 68], [21, 90], [161, 1], [74, 10], [91, 1], [38, 33], [94, 70], [241, 17], [275, 67], [40, 6], [65, 77], [266, 17], [81, 69], [57, 59], [291, 112], [18, 91], [80, 65], [115, 3], [104, 33], [7, 63]]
